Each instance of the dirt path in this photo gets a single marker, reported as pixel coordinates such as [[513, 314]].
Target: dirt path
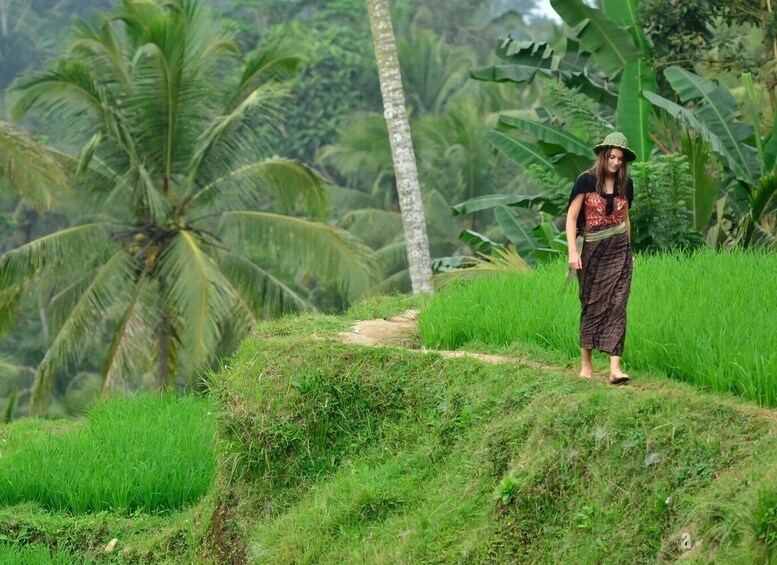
[[402, 331]]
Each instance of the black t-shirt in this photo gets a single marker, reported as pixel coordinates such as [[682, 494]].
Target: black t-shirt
[[586, 183]]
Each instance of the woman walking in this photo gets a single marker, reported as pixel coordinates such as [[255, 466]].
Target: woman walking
[[598, 234]]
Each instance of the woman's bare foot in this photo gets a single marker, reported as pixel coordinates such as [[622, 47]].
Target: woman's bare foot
[[618, 378], [586, 371]]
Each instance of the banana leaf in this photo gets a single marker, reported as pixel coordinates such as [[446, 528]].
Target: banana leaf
[[612, 46], [550, 134], [633, 109], [491, 201], [624, 13], [519, 234], [716, 109], [521, 152], [696, 123]]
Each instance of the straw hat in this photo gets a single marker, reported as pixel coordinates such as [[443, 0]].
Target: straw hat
[[617, 139]]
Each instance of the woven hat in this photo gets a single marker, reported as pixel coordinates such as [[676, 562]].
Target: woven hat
[[617, 139]]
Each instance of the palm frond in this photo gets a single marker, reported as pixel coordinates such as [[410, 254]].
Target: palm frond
[[363, 150], [235, 136], [331, 255], [345, 198], [178, 73], [263, 293], [10, 370], [10, 301], [71, 96], [57, 255], [102, 45], [286, 182], [266, 63], [111, 285], [393, 256], [199, 295], [375, 227], [156, 204], [27, 168], [398, 282], [131, 353]]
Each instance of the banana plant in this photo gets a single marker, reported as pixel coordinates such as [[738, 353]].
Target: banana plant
[[747, 155]]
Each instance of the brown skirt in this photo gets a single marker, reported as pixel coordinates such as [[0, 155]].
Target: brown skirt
[[604, 286]]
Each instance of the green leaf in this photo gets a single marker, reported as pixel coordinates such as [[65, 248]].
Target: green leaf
[[478, 242], [332, 255], [624, 13], [491, 201], [263, 293], [752, 107], [706, 186], [550, 134], [111, 284], [634, 109], [518, 234], [198, 293], [770, 151], [716, 109], [621, 12], [611, 46], [524, 59], [716, 144], [521, 152]]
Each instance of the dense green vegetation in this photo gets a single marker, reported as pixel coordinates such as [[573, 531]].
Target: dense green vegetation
[[151, 454], [331, 452], [698, 318], [298, 79], [148, 224]]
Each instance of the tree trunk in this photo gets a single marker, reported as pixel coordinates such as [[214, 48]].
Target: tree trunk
[[405, 171]]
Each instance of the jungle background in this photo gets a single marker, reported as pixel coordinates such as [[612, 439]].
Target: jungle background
[[504, 103]]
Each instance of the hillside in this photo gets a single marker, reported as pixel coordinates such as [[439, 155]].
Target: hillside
[[355, 454], [333, 452]]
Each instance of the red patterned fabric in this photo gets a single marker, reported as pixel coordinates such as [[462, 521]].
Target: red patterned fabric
[[596, 211]]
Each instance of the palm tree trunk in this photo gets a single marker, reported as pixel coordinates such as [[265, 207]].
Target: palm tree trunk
[[405, 170]]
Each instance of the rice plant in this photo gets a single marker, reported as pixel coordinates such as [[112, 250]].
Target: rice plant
[[706, 318], [147, 454]]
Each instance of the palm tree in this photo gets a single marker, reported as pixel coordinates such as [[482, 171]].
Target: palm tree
[[403, 156], [189, 231], [27, 169]]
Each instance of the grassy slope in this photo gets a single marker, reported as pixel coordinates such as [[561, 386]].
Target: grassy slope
[[349, 454], [333, 453]]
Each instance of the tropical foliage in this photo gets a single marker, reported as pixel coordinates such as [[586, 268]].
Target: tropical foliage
[[190, 228]]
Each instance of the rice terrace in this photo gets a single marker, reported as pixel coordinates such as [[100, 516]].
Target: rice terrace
[[315, 282]]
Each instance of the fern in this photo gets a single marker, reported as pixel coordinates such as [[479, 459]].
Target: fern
[[663, 194], [581, 114]]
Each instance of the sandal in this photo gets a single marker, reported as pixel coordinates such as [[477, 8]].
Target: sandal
[[619, 380]]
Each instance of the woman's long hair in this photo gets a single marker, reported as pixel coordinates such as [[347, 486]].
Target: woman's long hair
[[599, 171]]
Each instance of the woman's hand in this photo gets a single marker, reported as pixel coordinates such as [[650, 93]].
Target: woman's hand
[[575, 262]]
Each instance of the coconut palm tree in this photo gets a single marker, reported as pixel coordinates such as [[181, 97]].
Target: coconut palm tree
[[191, 229], [403, 156], [27, 169]]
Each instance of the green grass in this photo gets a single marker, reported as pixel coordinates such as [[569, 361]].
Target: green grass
[[706, 319], [148, 454], [333, 453], [352, 455], [39, 556]]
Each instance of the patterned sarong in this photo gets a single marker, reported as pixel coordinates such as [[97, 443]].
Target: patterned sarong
[[604, 284]]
